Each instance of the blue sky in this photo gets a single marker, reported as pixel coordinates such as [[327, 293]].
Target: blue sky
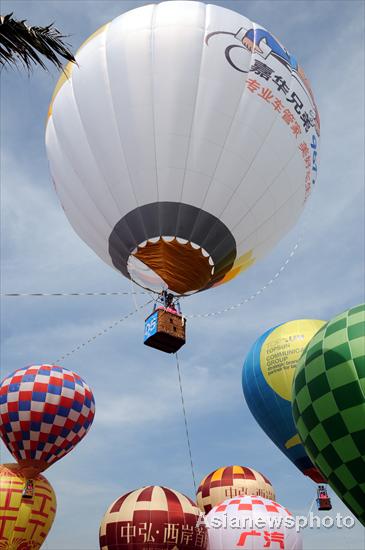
[[138, 434]]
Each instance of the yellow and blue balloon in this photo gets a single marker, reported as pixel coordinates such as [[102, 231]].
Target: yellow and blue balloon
[[267, 382]]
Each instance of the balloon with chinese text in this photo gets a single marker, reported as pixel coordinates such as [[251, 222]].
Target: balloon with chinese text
[[153, 517], [229, 482], [247, 522], [201, 153]]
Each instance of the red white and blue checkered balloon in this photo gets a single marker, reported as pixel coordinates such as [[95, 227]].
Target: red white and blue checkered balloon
[[45, 410]]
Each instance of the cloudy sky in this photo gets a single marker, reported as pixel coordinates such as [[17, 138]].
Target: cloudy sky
[[138, 435]]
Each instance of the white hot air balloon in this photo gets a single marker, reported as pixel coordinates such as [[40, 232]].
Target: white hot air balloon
[[250, 522], [183, 145]]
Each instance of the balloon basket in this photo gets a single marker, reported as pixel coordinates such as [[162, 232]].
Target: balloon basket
[[323, 500], [28, 491], [165, 331]]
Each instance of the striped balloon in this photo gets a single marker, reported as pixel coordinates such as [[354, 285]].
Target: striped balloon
[[24, 524], [45, 411], [152, 517], [232, 481]]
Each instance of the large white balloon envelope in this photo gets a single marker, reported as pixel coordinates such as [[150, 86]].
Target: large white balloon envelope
[[183, 145], [253, 523]]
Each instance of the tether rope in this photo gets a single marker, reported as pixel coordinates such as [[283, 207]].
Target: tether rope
[[311, 506], [232, 307], [193, 315], [24, 294], [253, 296], [185, 422], [102, 332]]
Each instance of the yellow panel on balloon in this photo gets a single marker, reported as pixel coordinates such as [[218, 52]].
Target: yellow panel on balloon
[[24, 522], [281, 351]]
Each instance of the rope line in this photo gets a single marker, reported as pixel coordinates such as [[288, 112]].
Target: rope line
[[311, 506], [102, 332], [193, 315], [185, 422], [23, 294], [243, 301], [253, 296], [232, 307]]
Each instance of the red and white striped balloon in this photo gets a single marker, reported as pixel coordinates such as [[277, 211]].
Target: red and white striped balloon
[[153, 517]]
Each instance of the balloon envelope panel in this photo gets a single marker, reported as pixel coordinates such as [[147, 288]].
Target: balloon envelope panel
[[231, 481], [201, 152], [24, 523], [267, 377], [329, 405], [152, 518], [247, 522]]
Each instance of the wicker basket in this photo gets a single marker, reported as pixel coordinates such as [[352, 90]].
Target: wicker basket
[[165, 331]]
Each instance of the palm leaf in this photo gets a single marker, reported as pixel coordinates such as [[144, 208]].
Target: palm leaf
[[20, 42]]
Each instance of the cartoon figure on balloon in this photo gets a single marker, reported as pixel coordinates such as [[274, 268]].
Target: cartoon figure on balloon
[[263, 43]]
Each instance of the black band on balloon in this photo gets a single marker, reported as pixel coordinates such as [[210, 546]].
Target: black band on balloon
[[173, 219]]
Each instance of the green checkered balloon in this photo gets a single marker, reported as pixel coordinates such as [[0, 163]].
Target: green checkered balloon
[[329, 405]]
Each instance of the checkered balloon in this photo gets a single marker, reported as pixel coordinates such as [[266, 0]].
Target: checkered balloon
[[251, 523], [45, 411], [329, 405]]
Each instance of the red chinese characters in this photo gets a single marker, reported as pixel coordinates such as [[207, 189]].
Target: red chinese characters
[[153, 518]]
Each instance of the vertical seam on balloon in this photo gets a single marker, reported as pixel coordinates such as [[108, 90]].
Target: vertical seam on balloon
[[275, 120], [242, 95], [267, 219], [255, 368], [103, 178], [257, 352], [266, 189], [192, 120], [229, 131], [130, 179], [111, 100], [71, 164], [152, 48], [73, 169], [194, 111], [295, 152]]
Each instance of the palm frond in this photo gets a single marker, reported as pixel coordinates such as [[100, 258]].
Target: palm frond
[[20, 42]]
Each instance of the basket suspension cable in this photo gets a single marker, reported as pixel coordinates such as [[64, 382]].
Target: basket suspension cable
[[185, 421]]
